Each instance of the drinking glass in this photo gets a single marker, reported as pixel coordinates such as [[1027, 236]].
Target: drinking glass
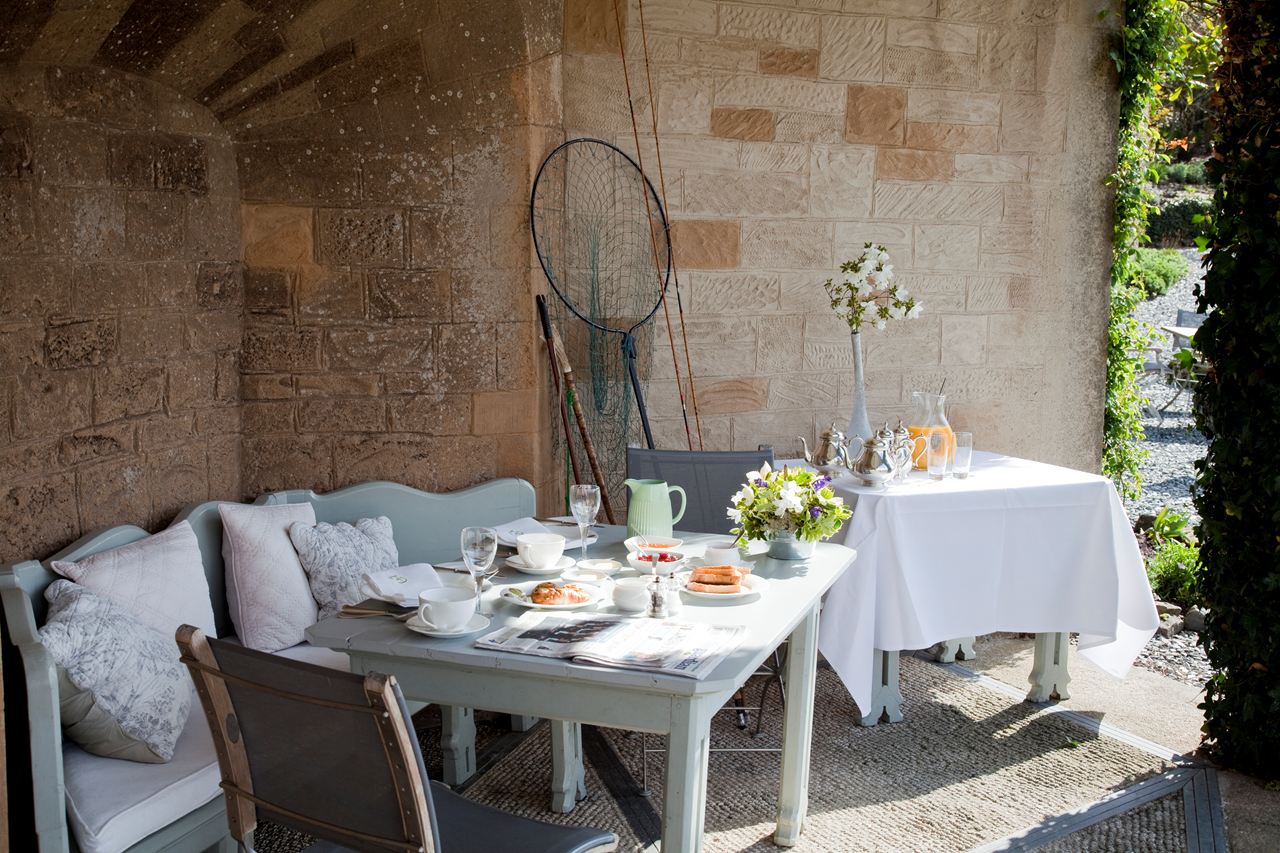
[[479, 547], [964, 455], [584, 502], [937, 451]]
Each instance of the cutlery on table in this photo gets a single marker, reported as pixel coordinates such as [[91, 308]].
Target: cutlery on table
[[351, 612]]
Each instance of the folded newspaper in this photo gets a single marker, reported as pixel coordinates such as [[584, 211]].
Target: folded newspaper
[[674, 648]]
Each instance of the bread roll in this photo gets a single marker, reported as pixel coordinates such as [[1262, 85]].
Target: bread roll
[[722, 588]]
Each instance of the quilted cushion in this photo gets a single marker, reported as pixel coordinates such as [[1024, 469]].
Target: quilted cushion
[[122, 690], [267, 594], [159, 579], [336, 556]]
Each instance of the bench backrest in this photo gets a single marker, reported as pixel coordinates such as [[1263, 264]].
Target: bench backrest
[[426, 527]]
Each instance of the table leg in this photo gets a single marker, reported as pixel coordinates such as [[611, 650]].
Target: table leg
[[1049, 677], [886, 698], [797, 730], [522, 723], [684, 796], [458, 743], [948, 650], [568, 774]]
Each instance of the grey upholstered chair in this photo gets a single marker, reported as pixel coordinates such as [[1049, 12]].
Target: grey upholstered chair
[[708, 477], [331, 754]]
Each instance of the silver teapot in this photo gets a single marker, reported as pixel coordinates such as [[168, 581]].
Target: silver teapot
[[832, 450], [878, 462]]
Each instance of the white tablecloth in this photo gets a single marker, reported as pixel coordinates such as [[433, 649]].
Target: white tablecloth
[[1017, 546]]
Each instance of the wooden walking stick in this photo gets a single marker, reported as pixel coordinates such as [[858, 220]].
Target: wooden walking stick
[[555, 379], [567, 369]]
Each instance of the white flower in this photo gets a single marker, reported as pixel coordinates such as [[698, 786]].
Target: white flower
[[762, 474], [887, 272], [882, 257], [787, 502], [734, 514], [880, 324], [915, 311], [744, 495]]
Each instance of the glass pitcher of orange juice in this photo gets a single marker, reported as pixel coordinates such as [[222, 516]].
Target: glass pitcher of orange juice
[[928, 415]]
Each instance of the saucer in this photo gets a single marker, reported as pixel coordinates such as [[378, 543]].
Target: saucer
[[517, 562], [476, 623]]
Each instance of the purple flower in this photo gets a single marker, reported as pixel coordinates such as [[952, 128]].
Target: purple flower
[[821, 482], [760, 484], [814, 512]]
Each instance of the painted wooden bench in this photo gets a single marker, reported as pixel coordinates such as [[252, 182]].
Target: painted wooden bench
[[177, 806]]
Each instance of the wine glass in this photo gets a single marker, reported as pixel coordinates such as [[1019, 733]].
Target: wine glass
[[479, 548], [584, 501]]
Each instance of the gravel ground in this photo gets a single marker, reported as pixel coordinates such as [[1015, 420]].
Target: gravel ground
[[1173, 445]]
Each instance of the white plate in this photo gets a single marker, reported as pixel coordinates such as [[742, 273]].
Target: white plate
[[640, 564], [516, 562], [527, 587], [476, 623], [577, 574], [751, 584], [600, 564]]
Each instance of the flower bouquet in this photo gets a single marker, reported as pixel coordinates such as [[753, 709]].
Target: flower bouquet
[[792, 509]]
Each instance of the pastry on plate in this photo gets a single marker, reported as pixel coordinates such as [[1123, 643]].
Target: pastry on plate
[[548, 593]]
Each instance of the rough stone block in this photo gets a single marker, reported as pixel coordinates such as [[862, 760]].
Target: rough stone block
[[449, 236], [71, 154], [809, 127], [951, 137], [1002, 12], [150, 336], [267, 417], [400, 348], [946, 247], [342, 414], [875, 114], [219, 285], [191, 382], [180, 164], [964, 339], [840, 180], [275, 386], [409, 294], [520, 353], [465, 358], [132, 160], [710, 53], [271, 463], [51, 402], [780, 344], [87, 223], [32, 288], [782, 244], [425, 462], [1007, 59], [756, 125], [125, 391], [705, 243], [852, 48], [213, 227], [779, 26], [992, 168], [317, 171], [272, 350], [182, 478], [747, 194], [727, 396], [924, 67], [211, 331], [79, 344], [37, 517], [20, 348], [226, 386], [160, 430], [682, 16], [937, 292], [416, 174], [1033, 123], [793, 391], [931, 35], [338, 385], [95, 443], [591, 27], [780, 93], [267, 290], [731, 292], [850, 239], [992, 293], [946, 107], [361, 237], [684, 103], [503, 412], [792, 62], [431, 414], [938, 202], [909, 164]]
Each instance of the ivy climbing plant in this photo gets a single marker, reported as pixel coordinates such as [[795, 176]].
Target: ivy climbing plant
[[1160, 59], [1237, 406]]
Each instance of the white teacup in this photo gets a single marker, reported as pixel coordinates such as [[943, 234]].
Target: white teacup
[[446, 608], [631, 594], [540, 550], [722, 552]]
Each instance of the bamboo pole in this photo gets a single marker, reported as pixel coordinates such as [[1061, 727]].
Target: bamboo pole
[[567, 369]]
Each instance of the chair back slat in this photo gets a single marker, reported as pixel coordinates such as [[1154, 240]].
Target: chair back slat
[[709, 478], [325, 752]]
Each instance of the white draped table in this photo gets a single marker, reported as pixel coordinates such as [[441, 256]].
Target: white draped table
[[1017, 546]]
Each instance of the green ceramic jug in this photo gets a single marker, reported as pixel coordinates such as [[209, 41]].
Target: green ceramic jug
[[649, 513]]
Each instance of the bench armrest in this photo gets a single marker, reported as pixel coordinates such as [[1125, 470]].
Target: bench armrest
[[44, 722]]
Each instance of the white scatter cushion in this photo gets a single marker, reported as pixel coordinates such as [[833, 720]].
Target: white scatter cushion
[[267, 593], [336, 557], [159, 579], [139, 693]]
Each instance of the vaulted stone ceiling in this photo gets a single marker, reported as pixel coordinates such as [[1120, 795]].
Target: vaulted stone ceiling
[[256, 61]]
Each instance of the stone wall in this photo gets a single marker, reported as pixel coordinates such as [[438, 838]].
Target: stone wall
[[120, 305], [970, 137]]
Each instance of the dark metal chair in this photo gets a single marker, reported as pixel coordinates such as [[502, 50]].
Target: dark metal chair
[[331, 754], [708, 477]]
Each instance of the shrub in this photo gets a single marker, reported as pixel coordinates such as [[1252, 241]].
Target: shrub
[[1174, 572], [1157, 270], [1191, 172], [1175, 224]]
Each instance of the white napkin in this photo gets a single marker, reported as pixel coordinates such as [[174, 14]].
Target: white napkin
[[508, 532], [402, 585]]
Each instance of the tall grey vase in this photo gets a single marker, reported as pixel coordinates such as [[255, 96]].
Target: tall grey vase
[[859, 424]]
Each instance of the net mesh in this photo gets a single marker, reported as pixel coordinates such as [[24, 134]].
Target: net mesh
[[597, 241]]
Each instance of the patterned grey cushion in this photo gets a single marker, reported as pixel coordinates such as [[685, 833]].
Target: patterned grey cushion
[[336, 556], [122, 689]]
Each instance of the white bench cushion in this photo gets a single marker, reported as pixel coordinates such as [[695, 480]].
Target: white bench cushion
[[113, 804]]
